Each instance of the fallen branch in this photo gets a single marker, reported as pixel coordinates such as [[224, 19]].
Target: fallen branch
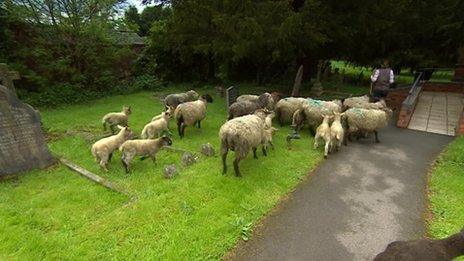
[[94, 178]]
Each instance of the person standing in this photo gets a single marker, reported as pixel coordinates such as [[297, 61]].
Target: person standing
[[381, 80]]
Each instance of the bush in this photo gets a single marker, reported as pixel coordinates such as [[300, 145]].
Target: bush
[[69, 94]]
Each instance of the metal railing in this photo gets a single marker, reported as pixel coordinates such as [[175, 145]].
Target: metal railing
[[414, 91]]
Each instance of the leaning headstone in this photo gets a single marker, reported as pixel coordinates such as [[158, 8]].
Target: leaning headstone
[[207, 150], [22, 144], [170, 171], [231, 95], [297, 83], [7, 76], [188, 159]]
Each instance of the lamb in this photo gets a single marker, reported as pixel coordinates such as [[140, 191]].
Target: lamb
[[191, 113], [323, 132], [113, 119], [367, 120], [103, 149], [312, 112], [157, 127], [177, 98], [238, 109], [286, 107], [168, 109], [144, 148], [268, 120], [267, 138], [240, 135], [337, 133], [424, 249]]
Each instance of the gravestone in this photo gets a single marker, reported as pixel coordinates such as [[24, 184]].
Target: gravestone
[[231, 95], [7, 77], [297, 83], [22, 144]]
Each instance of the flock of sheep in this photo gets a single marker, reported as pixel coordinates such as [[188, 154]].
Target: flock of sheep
[[248, 125]]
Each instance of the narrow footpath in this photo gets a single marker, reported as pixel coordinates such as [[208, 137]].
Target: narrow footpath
[[355, 203]]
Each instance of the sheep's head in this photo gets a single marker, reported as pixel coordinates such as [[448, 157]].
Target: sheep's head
[[207, 98], [126, 132], [262, 113], [193, 94], [276, 96], [338, 116], [167, 114], [265, 99], [327, 118], [127, 110], [166, 141]]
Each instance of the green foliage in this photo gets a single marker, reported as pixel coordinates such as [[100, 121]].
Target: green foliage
[[447, 191], [200, 214]]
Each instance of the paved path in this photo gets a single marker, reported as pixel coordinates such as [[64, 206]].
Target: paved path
[[355, 203]]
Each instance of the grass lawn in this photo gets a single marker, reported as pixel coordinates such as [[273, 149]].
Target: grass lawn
[[200, 214], [447, 192]]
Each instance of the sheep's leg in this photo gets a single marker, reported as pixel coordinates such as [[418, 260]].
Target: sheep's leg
[[316, 141], [103, 164], [153, 157], [272, 145], [326, 149], [199, 125], [376, 137], [254, 153], [124, 164], [110, 156], [224, 152], [264, 150], [179, 128], [183, 130], [236, 168], [126, 159], [312, 131]]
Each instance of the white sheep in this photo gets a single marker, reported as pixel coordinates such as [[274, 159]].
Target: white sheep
[[337, 132], [323, 132], [144, 148], [241, 135], [191, 113], [113, 119], [352, 101], [267, 138], [157, 126], [247, 97], [367, 120], [312, 112], [363, 102], [168, 109], [286, 107], [103, 149]]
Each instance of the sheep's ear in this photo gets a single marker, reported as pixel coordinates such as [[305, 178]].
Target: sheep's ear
[[120, 127]]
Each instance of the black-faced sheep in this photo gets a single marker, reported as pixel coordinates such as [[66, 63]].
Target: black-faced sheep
[[113, 119], [238, 109], [175, 99], [191, 113], [241, 135], [424, 249], [366, 121], [144, 148], [103, 149]]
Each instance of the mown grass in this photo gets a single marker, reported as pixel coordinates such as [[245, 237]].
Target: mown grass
[[200, 214], [446, 193]]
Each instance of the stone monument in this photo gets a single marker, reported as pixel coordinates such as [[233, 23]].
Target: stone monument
[[231, 95], [22, 144], [297, 83], [317, 90]]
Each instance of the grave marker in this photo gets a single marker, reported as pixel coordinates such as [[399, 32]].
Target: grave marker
[[22, 144], [231, 95]]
